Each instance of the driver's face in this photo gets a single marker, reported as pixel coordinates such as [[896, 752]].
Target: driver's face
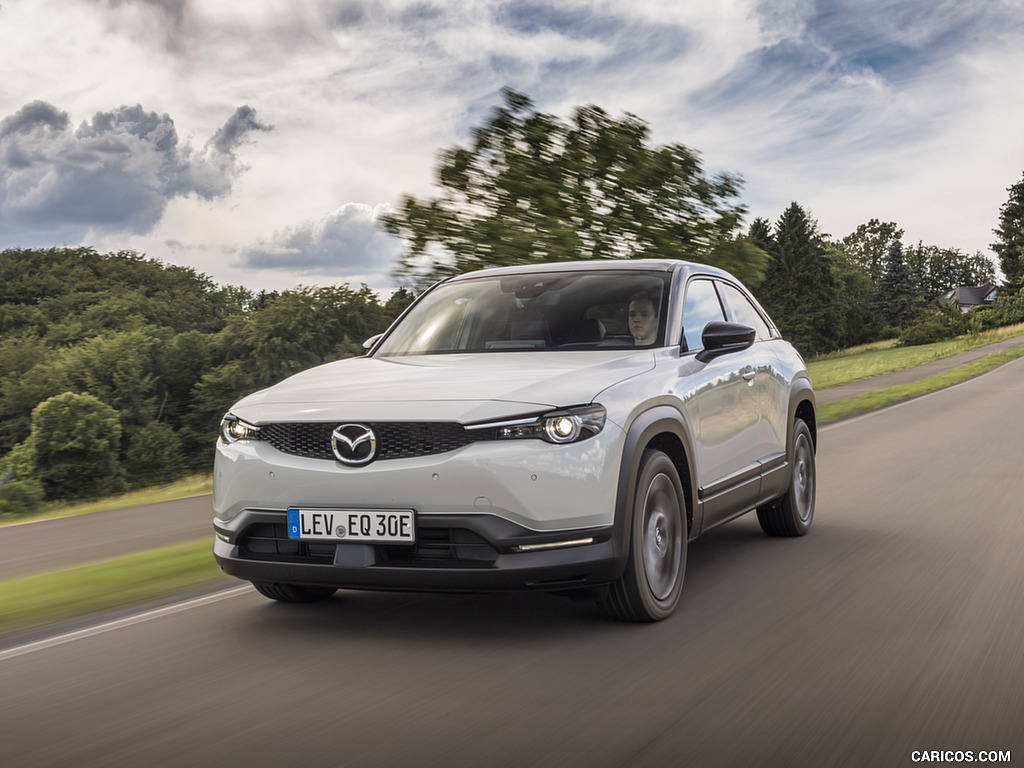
[[643, 322]]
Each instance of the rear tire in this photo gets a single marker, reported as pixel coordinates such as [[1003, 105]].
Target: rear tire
[[293, 593], [792, 514], [653, 580]]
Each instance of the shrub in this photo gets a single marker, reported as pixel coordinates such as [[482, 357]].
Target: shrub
[[981, 319], [76, 441], [955, 321], [20, 463], [927, 332], [155, 455], [20, 492], [1009, 308], [20, 497], [888, 332]]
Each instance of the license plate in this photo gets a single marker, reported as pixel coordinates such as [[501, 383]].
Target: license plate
[[374, 526]]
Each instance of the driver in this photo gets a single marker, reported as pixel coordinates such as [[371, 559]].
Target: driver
[[643, 319]]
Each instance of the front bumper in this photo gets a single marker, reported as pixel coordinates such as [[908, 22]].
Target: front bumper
[[475, 507], [458, 553], [538, 486]]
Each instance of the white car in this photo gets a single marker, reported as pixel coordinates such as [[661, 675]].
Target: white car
[[557, 427]]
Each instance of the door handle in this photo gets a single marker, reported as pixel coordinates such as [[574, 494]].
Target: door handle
[[748, 375]]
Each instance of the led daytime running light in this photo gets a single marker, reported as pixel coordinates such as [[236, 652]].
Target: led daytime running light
[[555, 545]]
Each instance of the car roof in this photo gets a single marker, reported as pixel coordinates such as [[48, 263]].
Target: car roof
[[597, 265]]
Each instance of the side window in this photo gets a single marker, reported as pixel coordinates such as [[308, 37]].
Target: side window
[[742, 311], [701, 307]]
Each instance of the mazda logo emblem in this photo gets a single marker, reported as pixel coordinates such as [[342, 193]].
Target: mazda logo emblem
[[354, 444]]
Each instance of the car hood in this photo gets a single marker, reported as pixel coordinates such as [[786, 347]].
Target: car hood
[[461, 387]]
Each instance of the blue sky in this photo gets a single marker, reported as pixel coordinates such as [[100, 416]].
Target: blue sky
[[259, 140]]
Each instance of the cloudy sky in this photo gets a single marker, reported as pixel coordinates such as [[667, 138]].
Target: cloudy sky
[[259, 140]]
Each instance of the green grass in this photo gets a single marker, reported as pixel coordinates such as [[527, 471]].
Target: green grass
[[32, 601], [195, 485], [884, 357], [871, 401]]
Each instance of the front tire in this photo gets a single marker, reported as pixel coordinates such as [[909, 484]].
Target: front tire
[[792, 514], [649, 588], [293, 593]]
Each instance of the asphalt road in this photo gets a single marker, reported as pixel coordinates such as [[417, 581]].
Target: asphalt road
[[895, 626], [51, 544], [912, 374]]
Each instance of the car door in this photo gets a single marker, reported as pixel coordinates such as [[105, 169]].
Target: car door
[[723, 400], [769, 381]]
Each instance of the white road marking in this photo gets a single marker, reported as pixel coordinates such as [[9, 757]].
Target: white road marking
[[128, 621]]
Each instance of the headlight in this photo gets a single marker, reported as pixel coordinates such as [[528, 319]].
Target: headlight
[[233, 429], [563, 426]]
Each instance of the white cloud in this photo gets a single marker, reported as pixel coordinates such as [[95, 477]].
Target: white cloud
[[904, 110], [344, 242], [113, 173]]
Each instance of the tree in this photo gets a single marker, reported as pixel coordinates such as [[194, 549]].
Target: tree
[[121, 290], [76, 440], [531, 188], [799, 291], [298, 329], [212, 395], [117, 368], [290, 332], [154, 454], [1008, 308], [397, 304], [936, 270], [897, 294], [20, 491], [869, 245], [760, 234], [27, 377], [855, 297], [1009, 245], [161, 345], [180, 360]]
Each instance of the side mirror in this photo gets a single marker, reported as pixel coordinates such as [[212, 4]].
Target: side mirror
[[371, 341], [724, 338]]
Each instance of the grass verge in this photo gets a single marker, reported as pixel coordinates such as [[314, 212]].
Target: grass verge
[[194, 485], [31, 601], [885, 357], [871, 401]]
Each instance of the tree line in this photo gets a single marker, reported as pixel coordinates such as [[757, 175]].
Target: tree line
[[115, 369], [827, 294]]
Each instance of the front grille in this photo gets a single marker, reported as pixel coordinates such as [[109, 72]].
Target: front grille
[[310, 440], [434, 548], [396, 440]]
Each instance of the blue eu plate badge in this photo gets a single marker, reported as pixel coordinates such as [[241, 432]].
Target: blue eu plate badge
[[294, 527]]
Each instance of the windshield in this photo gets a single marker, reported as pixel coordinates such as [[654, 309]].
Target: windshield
[[539, 311]]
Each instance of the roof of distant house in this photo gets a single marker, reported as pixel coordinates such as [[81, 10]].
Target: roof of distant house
[[967, 296]]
